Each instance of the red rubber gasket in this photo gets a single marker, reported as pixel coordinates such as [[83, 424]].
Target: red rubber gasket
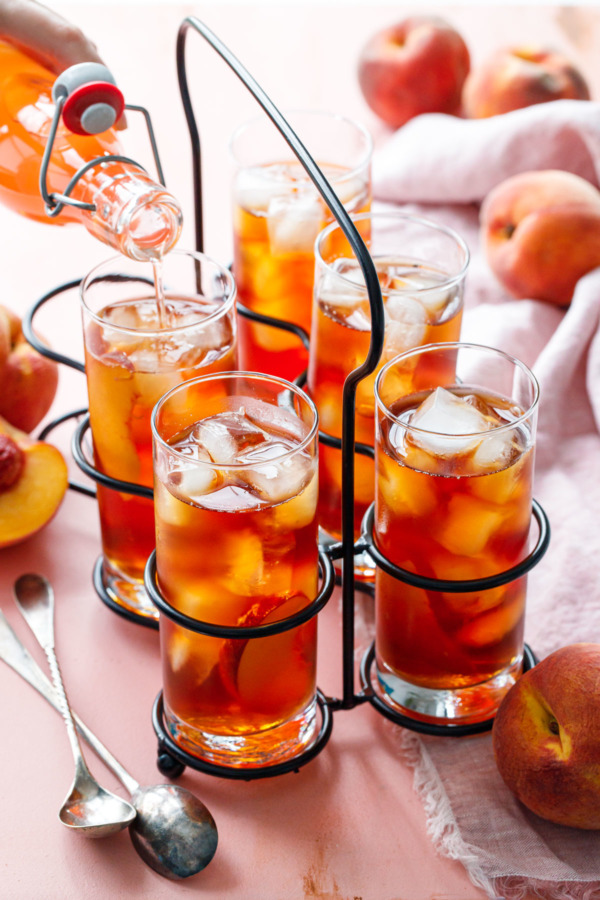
[[85, 96]]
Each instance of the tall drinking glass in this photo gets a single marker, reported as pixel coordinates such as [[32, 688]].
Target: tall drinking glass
[[136, 349], [235, 459], [277, 216], [454, 453], [422, 268]]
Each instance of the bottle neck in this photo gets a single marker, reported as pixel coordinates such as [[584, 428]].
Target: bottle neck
[[133, 214]]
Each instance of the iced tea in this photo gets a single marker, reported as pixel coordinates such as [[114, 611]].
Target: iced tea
[[453, 502], [422, 285], [278, 214], [133, 357], [236, 544]]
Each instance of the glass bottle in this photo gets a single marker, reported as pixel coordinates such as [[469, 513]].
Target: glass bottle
[[133, 214]]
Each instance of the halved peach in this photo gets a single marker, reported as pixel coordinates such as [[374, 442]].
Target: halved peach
[[36, 482]]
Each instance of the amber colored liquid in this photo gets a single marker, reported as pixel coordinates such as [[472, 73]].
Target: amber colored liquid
[[133, 214], [26, 110], [274, 267], [235, 558], [340, 344], [447, 518], [126, 375]]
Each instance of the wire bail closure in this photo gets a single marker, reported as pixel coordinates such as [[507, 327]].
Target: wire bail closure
[[88, 101]]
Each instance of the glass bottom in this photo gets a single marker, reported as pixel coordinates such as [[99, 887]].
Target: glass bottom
[[252, 750], [473, 703], [364, 565], [126, 592]]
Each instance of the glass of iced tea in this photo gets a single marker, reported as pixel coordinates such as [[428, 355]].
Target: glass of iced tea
[[277, 216], [454, 455], [422, 268], [235, 460], [136, 348]]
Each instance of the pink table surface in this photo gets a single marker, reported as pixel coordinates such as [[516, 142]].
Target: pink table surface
[[349, 825]]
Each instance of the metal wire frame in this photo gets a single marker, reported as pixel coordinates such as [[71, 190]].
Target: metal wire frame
[[55, 202], [347, 548], [372, 285]]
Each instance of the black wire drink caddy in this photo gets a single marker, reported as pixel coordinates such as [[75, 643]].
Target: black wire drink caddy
[[172, 758]]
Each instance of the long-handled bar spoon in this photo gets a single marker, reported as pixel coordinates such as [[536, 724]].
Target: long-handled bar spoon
[[173, 832], [88, 807]]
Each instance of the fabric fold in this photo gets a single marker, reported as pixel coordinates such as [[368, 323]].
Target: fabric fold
[[442, 167], [437, 158]]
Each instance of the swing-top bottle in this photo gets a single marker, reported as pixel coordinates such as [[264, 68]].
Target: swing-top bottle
[[132, 213]]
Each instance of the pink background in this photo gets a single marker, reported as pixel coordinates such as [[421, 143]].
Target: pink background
[[349, 824]]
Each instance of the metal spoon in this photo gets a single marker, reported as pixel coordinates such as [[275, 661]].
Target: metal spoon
[[88, 808], [173, 832]]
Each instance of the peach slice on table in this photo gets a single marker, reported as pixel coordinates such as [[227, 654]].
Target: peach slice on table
[[33, 482], [264, 674]]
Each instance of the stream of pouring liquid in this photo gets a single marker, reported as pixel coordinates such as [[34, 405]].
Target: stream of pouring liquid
[[153, 234], [159, 290]]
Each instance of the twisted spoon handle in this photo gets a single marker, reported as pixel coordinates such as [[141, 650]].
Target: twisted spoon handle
[[15, 655], [35, 599]]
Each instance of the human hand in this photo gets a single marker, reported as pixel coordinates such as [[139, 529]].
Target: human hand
[[44, 35]]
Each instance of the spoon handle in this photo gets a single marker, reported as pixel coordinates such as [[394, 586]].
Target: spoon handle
[[65, 710], [35, 599], [16, 655]]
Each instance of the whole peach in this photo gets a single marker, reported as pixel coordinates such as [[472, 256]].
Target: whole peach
[[28, 381], [541, 233], [4, 338], [546, 737], [515, 77], [416, 66]]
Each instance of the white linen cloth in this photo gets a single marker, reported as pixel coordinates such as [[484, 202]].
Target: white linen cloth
[[443, 167]]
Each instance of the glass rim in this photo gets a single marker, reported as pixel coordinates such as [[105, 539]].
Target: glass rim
[[325, 114], [230, 294], [216, 376], [458, 345], [398, 216]]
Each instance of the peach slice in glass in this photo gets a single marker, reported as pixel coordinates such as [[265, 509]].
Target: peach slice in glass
[[273, 673]]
